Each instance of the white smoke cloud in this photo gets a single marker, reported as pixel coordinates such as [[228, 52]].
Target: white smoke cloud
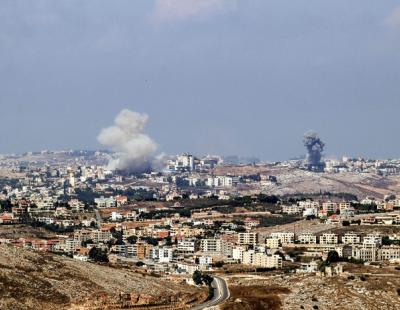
[[126, 137], [171, 10]]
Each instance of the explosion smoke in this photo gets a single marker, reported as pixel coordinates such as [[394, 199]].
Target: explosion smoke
[[315, 148], [126, 137]]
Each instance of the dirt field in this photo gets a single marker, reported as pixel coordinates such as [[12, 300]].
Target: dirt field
[[33, 280], [17, 231], [255, 297], [363, 288], [294, 181]]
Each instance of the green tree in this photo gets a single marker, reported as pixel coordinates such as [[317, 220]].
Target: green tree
[[197, 278], [98, 255], [132, 239], [333, 257]]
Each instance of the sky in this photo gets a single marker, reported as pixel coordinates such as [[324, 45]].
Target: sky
[[245, 77]]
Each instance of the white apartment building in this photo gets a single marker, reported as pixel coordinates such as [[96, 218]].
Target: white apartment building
[[100, 236], [184, 161], [187, 245], [344, 205], [328, 238], [216, 247], [293, 209], [367, 254], [389, 253], [261, 259], [283, 237], [163, 254], [307, 239], [211, 245], [222, 181], [105, 202], [247, 238], [309, 204], [71, 245], [115, 216], [372, 239], [351, 238], [237, 253], [272, 243], [205, 260], [330, 206], [267, 261], [248, 257]]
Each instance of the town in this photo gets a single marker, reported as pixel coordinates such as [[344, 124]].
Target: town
[[199, 155], [188, 219]]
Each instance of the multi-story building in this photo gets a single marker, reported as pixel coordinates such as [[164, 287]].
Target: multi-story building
[[216, 247], [344, 205], [211, 246], [237, 253], [162, 254], [293, 209], [372, 239], [248, 257], [389, 253], [222, 181], [187, 245], [100, 236], [351, 238], [82, 235], [330, 207], [309, 204], [307, 239], [143, 250], [261, 259], [205, 260], [283, 237], [247, 238], [328, 238], [367, 254], [267, 261], [272, 243]]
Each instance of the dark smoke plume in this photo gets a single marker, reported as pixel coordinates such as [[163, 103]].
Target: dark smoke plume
[[315, 148]]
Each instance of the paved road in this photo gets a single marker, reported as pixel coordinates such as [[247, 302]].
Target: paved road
[[221, 293]]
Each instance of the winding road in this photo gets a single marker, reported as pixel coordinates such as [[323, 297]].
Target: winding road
[[221, 294]]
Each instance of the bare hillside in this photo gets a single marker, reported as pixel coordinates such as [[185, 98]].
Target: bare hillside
[[293, 181], [32, 280]]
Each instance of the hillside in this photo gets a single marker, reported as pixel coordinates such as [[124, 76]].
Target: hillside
[[294, 181], [32, 280]]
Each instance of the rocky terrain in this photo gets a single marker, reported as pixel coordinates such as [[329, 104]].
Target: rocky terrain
[[294, 181], [359, 287], [32, 280]]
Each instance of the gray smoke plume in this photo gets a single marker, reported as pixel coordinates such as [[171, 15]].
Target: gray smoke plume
[[315, 148], [135, 149]]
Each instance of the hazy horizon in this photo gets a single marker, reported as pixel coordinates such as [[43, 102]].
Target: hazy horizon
[[222, 77]]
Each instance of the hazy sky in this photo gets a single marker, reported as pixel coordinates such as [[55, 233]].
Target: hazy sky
[[245, 77]]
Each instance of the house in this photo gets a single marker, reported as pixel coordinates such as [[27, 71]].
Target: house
[[310, 267]]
